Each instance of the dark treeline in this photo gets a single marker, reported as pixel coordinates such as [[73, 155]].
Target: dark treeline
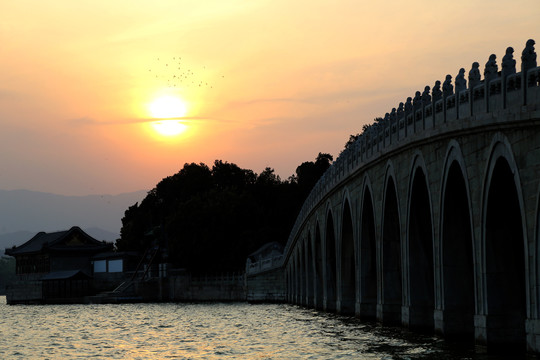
[[211, 219]]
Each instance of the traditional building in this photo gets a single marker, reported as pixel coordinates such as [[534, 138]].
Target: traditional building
[[113, 267], [54, 267]]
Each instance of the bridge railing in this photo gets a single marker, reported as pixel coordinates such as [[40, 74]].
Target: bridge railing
[[500, 94]]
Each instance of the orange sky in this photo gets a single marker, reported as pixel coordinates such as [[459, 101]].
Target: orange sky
[[280, 81]]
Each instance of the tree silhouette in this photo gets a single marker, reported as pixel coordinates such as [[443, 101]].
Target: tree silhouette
[[210, 220]]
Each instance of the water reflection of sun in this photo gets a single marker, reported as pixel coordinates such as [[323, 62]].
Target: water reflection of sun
[[168, 109]]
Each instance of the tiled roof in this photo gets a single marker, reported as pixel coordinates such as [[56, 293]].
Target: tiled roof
[[54, 241]]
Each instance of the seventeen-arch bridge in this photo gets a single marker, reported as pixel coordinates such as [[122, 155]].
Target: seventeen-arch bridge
[[431, 219]]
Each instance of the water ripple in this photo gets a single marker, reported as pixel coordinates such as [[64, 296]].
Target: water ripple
[[204, 331]]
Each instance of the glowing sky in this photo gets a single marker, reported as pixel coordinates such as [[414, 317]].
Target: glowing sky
[[266, 83]]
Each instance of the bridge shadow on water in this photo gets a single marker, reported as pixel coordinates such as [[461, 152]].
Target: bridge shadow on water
[[398, 343]]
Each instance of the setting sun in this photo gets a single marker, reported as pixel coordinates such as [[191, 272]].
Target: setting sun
[[168, 106], [169, 127], [168, 109]]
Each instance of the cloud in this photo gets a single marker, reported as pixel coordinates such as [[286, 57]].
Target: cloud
[[83, 121], [87, 121]]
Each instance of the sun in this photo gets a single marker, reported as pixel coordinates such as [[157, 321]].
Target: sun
[[169, 110], [169, 127], [167, 106]]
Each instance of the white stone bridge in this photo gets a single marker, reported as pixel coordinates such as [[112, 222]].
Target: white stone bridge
[[431, 220]]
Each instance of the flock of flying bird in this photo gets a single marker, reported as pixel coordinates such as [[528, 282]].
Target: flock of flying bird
[[173, 73]]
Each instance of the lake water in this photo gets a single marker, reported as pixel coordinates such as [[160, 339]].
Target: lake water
[[206, 331]]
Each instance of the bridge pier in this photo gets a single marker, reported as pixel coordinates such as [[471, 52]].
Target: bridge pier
[[532, 327], [389, 314], [318, 303], [329, 305], [453, 324], [366, 311], [418, 317], [438, 322], [501, 333], [346, 307], [480, 330]]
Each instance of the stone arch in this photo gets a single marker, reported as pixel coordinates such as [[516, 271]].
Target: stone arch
[[537, 264], [291, 278], [368, 254], [457, 248], [310, 276], [302, 273], [504, 245], [348, 260], [288, 282], [291, 282], [319, 268], [330, 263], [296, 274], [420, 248], [389, 307]]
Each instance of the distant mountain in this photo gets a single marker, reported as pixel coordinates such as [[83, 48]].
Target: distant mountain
[[24, 213], [16, 238]]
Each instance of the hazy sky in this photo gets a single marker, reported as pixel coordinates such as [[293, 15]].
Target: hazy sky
[[265, 83]]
